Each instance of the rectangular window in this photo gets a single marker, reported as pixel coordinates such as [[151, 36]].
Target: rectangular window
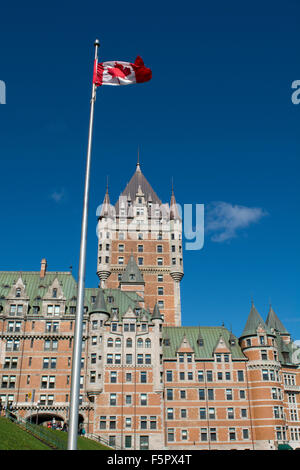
[[113, 399], [210, 394], [169, 376], [128, 442], [228, 394], [202, 413], [143, 399], [240, 374], [169, 394], [209, 376]]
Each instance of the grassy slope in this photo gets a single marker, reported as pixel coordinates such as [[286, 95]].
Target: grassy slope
[[14, 438]]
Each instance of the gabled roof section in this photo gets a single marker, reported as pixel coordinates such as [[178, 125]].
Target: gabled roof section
[[132, 273], [274, 322], [210, 336], [138, 183], [253, 322], [221, 346], [185, 346]]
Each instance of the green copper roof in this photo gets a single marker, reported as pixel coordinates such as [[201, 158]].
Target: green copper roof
[[253, 321], [210, 336], [274, 322], [156, 313]]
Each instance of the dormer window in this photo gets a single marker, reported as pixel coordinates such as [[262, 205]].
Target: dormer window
[[132, 277], [140, 200], [54, 293], [18, 292]]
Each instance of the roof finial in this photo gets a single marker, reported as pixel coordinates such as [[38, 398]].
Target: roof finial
[[138, 168], [172, 185], [107, 183]]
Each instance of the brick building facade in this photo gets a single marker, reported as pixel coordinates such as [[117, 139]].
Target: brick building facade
[[147, 382]]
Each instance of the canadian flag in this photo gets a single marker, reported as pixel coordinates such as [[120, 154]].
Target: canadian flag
[[121, 73]]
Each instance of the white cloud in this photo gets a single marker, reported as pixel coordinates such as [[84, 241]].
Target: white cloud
[[223, 220], [58, 196]]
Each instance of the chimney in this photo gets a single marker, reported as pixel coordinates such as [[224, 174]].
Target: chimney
[[43, 268]]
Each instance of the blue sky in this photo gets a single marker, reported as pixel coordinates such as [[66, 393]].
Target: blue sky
[[217, 116]]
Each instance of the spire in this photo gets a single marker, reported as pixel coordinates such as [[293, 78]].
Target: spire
[[273, 321], [156, 313], [132, 273], [174, 213], [253, 321], [100, 304], [138, 168], [106, 209]]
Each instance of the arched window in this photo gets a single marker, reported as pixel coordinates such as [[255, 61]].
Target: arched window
[[18, 292], [140, 343], [129, 343], [110, 343], [118, 343], [148, 343]]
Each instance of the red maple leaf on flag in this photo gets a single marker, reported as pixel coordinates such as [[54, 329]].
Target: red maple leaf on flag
[[119, 71]]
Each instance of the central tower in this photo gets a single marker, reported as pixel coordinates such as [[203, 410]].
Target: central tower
[[142, 227]]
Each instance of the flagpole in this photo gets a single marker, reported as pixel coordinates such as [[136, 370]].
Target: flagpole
[[77, 347]]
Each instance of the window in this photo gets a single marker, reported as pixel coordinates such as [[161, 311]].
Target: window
[[182, 394], [201, 393], [143, 377], [159, 262], [248, 342], [160, 291], [218, 357], [243, 412], [203, 434], [262, 340], [159, 249], [227, 376], [140, 261], [170, 435], [228, 394], [121, 248], [143, 399], [102, 422], [128, 359], [147, 358], [183, 413], [240, 375], [140, 248], [147, 343], [202, 413], [169, 376], [128, 442], [160, 278], [153, 424], [213, 434], [245, 433], [128, 400], [226, 357], [113, 399], [161, 304], [265, 374], [220, 376], [230, 413], [211, 413], [184, 434], [209, 376], [129, 343], [210, 394], [264, 355], [169, 394], [112, 422], [113, 377], [200, 376], [121, 260], [232, 435]]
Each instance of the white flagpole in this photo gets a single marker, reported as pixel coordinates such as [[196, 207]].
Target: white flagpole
[[77, 347]]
